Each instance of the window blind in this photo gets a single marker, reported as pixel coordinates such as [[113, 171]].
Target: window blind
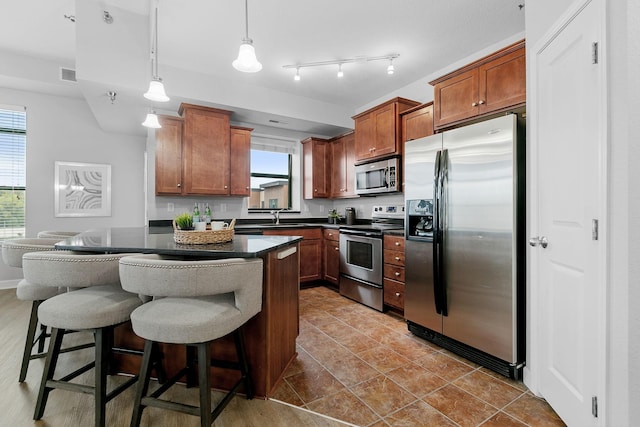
[[271, 143], [13, 138]]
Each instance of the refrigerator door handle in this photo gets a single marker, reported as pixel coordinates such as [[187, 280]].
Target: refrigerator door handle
[[442, 243], [436, 233]]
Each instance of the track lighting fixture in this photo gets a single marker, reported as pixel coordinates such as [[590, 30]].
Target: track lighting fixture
[[339, 62]]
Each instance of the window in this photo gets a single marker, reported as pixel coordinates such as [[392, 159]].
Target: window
[[270, 180], [13, 142]]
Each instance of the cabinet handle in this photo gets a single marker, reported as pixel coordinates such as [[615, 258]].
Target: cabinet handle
[[397, 274], [226, 187], [316, 190], [179, 185], [397, 243], [474, 104], [336, 248], [246, 188], [397, 258], [481, 102], [397, 294]]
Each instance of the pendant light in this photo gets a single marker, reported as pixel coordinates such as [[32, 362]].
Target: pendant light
[[156, 91], [151, 121], [247, 61]]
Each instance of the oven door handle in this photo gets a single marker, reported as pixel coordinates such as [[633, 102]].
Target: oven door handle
[[361, 233]]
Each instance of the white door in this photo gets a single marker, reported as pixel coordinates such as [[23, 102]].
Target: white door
[[568, 258]]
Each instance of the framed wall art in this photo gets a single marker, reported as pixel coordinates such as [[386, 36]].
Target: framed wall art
[[82, 189]]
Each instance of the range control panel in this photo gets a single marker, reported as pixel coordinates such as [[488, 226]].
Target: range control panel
[[388, 211]]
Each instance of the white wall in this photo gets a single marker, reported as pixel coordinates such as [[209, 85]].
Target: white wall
[[63, 128]]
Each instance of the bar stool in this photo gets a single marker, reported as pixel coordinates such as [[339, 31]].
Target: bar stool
[[195, 302], [12, 252], [59, 235], [98, 306]]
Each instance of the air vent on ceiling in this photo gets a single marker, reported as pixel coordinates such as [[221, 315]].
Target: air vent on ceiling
[[67, 74]]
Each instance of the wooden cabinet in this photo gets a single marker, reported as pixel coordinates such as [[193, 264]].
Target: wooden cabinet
[[378, 130], [169, 156], [342, 164], [316, 170], [206, 149], [417, 122], [332, 255], [491, 84], [240, 162], [310, 250], [393, 271]]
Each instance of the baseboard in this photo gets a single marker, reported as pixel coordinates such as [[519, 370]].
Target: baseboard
[[9, 284]]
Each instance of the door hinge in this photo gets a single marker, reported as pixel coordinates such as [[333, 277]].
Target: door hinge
[[594, 52], [594, 229], [594, 406]]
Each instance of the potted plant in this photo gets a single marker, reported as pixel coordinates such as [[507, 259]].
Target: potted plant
[[184, 221], [334, 217]]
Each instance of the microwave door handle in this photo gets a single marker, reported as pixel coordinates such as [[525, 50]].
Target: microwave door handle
[[386, 177]]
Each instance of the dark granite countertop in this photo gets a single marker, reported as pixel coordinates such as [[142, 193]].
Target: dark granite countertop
[[160, 240]]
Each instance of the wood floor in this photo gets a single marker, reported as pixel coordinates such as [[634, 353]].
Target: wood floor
[[17, 401]]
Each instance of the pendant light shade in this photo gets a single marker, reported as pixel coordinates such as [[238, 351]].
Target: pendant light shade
[[247, 62], [156, 91], [151, 121]]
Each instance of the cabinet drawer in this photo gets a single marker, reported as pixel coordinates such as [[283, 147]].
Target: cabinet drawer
[[394, 272], [331, 234], [395, 243], [394, 257], [307, 233], [394, 293]]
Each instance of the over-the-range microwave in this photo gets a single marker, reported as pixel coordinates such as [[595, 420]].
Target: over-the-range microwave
[[379, 176]]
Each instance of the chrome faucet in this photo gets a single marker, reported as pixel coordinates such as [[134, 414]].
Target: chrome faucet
[[276, 215]]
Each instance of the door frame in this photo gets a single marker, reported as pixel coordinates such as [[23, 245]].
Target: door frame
[[533, 369]]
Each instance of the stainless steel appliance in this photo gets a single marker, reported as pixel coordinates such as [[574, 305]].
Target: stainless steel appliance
[[380, 176], [464, 228], [350, 216], [361, 255]]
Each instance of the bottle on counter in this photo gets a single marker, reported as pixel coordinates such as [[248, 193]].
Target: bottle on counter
[[207, 214], [196, 213]]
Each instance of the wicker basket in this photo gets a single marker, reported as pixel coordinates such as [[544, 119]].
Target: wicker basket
[[192, 237]]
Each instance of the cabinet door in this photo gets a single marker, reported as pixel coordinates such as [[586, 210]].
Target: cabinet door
[[386, 120], [339, 167], [365, 142], [169, 156], [240, 170], [456, 98], [503, 82], [317, 181], [349, 162], [206, 152], [331, 261], [418, 124], [310, 260]]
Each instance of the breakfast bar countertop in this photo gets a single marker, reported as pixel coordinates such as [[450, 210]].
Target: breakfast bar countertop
[[159, 240]]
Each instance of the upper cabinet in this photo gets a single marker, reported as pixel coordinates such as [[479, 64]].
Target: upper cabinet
[[169, 156], [200, 154], [417, 122], [378, 130], [343, 155], [489, 85], [240, 173], [206, 150], [316, 168]]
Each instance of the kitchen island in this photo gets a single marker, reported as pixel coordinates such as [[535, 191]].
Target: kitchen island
[[270, 335]]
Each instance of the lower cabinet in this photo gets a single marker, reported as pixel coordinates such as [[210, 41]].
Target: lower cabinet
[[393, 271], [332, 256], [310, 250]]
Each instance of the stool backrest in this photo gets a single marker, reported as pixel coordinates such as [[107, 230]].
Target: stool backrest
[[14, 249], [162, 276], [60, 235], [71, 269]]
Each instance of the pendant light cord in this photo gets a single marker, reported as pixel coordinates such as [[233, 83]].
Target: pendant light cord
[[155, 45], [246, 19]]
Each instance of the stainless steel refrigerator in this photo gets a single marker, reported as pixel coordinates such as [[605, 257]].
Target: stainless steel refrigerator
[[464, 230]]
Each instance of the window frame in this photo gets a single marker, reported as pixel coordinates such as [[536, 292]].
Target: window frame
[[14, 188], [287, 177]]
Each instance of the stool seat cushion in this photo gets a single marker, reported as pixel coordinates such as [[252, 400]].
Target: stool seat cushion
[[187, 320], [27, 291], [88, 308], [14, 249]]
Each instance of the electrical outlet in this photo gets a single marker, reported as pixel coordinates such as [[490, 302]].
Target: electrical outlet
[[170, 207], [321, 208]]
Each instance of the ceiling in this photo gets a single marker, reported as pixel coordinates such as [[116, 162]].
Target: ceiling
[[198, 40]]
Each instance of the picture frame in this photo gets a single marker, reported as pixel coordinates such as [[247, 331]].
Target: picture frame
[[82, 189]]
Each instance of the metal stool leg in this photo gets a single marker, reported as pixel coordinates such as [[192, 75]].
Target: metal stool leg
[[102, 350], [204, 363], [55, 343], [28, 345], [143, 383]]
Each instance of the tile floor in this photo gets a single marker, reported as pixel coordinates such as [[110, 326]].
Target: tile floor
[[363, 367]]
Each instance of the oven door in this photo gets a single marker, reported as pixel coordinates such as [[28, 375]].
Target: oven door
[[361, 257]]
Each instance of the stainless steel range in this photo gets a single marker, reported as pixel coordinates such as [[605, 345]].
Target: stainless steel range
[[361, 255]]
